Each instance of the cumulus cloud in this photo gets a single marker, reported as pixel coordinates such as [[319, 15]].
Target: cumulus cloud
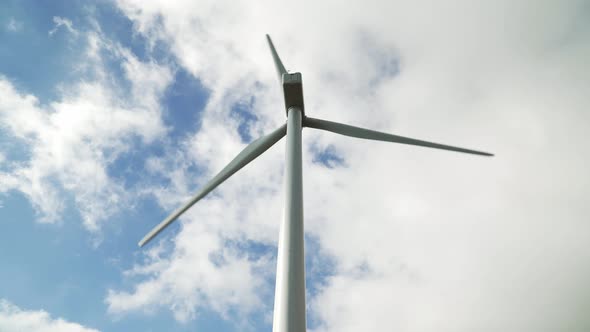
[[184, 275], [15, 319], [71, 141], [421, 240], [175, 286]]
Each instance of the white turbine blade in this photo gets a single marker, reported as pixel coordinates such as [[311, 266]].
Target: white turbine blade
[[275, 56], [352, 131], [251, 152]]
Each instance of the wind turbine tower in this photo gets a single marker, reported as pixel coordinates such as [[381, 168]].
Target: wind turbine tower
[[289, 306]]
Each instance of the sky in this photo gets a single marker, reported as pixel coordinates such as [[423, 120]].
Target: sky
[[112, 114]]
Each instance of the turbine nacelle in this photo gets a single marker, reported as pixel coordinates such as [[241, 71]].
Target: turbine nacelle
[[293, 91]]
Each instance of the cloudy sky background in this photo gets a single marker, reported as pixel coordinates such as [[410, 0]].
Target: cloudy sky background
[[112, 114]]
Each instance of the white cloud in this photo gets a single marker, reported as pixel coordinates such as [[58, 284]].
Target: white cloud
[[422, 240], [15, 319], [63, 22], [13, 25], [72, 140], [184, 287], [190, 279]]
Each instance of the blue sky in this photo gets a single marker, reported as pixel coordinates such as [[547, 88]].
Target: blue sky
[[112, 114], [56, 267]]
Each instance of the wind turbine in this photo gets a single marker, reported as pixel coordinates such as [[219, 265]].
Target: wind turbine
[[289, 306]]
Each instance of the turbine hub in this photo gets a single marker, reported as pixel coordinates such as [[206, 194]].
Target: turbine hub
[[293, 91]]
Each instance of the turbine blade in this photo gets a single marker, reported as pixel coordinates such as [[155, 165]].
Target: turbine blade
[[275, 56], [352, 131], [251, 152]]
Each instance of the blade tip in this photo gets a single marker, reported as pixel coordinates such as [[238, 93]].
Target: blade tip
[[144, 241]]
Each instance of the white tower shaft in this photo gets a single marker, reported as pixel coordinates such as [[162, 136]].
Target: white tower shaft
[[289, 307]]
